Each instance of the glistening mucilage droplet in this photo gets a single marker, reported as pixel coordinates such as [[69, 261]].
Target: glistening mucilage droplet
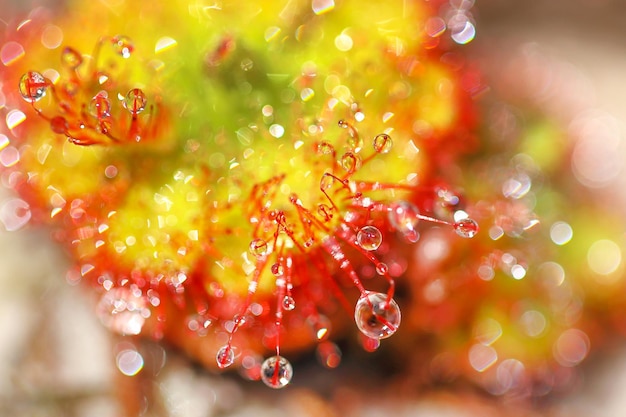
[[369, 238], [466, 228], [383, 143], [259, 248], [276, 372], [33, 86], [375, 316], [135, 101], [225, 356]]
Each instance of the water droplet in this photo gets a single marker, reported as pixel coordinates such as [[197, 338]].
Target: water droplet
[[289, 303], [100, 106], [325, 212], [225, 357], [277, 270], [325, 148], [466, 228], [382, 268], [376, 317], [354, 141], [259, 248], [326, 182], [122, 45], [351, 162], [71, 58], [369, 238], [343, 124], [135, 101], [33, 86], [404, 217], [276, 372], [383, 143]]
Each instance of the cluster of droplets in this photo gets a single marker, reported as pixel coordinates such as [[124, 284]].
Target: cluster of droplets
[[88, 107], [348, 216], [345, 217]]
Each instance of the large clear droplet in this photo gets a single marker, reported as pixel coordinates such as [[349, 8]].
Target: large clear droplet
[[135, 101], [404, 217], [376, 317], [326, 182], [369, 238], [225, 356], [33, 86], [289, 303], [351, 162], [383, 143], [259, 248], [100, 106], [276, 372], [466, 228]]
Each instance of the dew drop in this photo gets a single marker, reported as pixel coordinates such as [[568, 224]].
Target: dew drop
[[100, 106], [135, 101], [71, 58], [225, 357], [382, 268], [276, 372], [259, 248], [325, 148], [350, 162], [122, 45], [376, 317], [466, 228], [343, 124], [355, 142], [33, 86], [383, 143], [369, 238], [404, 217], [326, 182], [289, 303], [277, 270]]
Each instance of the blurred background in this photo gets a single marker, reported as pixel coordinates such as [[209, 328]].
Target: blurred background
[[57, 360]]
